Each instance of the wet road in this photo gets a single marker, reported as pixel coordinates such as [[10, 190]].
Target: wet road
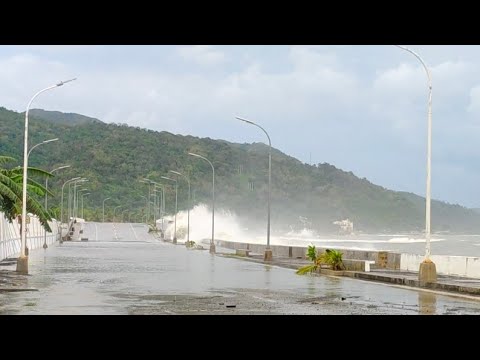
[[124, 270]]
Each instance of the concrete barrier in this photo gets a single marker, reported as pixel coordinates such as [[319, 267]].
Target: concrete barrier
[[10, 236], [446, 265], [382, 259], [357, 265], [242, 252]]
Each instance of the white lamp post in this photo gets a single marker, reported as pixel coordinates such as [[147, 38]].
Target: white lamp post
[[104, 208], [212, 242], [428, 271], [28, 156], [189, 205], [22, 262], [45, 246], [174, 241], [115, 209], [268, 251], [83, 195]]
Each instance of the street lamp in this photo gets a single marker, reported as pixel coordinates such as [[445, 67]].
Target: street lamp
[[114, 209], [63, 186], [428, 271], [189, 205], [162, 203], [79, 193], [43, 142], [268, 251], [45, 246], [147, 181], [174, 241], [83, 195], [104, 208], [123, 215], [159, 198], [61, 205], [28, 156], [212, 242], [22, 262], [74, 203]]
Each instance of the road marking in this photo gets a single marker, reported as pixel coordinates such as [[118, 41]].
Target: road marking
[[134, 233]]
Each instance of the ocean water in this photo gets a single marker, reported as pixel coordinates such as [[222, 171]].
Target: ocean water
[[227, 227]]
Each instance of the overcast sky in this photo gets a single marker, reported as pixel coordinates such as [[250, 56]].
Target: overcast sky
[[360, 108]]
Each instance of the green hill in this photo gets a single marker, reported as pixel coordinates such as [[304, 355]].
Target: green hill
[[114, 157], [62, 118]]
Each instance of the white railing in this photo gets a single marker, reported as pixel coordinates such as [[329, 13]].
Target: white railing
[[10, 236]]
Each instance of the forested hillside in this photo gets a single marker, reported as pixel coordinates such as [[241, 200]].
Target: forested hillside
[[114, 157]]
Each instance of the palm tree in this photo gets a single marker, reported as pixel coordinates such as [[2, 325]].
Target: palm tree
[[330, 257], [11, 193]]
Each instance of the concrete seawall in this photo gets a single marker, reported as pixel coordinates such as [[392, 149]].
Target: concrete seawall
[[383, 259], [447, 265]]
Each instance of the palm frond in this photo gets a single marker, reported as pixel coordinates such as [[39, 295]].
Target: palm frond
[[38, 188], [31, 171], [12, 185], [5, 159], [307, 269], [312, 253], [34, 207]]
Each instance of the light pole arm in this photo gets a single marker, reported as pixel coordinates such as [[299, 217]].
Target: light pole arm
[[28, 154], [38, 93], [255, 124], [427, 70]]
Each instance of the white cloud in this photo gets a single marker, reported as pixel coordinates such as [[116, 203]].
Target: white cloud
[[474, 105], [202, 54]]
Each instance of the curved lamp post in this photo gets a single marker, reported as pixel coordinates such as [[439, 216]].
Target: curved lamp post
[[63, 186], [268, 251], [162, 203], [174, 241], [74, 204], [43, 142], [45, 246], [123, 215], [22, 262], [212, 242], [80, 193], [28, 156], [83, 195], [428, 272], [149, 182], [189, 205], [115, 209], [104, 208], [61, 205]]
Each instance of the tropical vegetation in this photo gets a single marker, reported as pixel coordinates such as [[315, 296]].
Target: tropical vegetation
[[11, 191], [331, 258]]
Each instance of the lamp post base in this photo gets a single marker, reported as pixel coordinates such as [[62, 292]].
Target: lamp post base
[[427, 272], [22, 265], [212, 248], [45, 246], [268, 256], [174, 241]]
